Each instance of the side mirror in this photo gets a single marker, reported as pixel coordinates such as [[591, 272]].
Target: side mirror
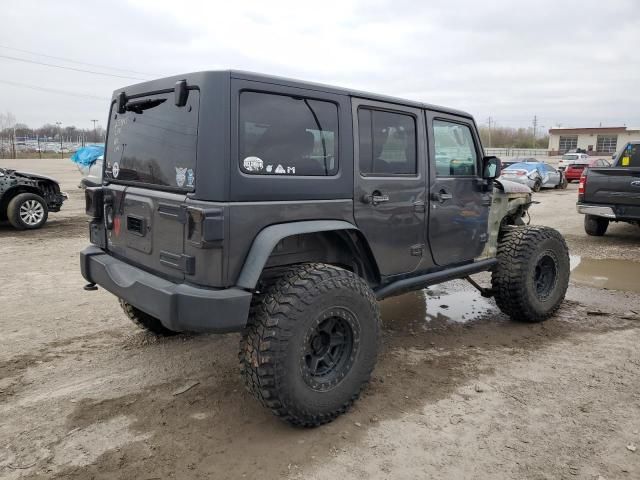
[[491, 167]]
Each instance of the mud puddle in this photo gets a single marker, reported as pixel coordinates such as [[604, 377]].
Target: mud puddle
[[437, 306], [613, 274]]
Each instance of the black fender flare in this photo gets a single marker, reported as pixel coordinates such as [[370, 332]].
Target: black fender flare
[[269, 237]]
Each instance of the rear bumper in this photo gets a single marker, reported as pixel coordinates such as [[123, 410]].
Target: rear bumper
[[596, 210], [180, 307], [620, 213]]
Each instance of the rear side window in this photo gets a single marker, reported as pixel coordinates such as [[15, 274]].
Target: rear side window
[[283, 135], [455, 151], [387, 143], [630, 157]]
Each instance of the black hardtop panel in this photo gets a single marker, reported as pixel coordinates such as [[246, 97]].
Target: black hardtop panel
[[202, 78], [213, 119], [199, 79], [216, 142], [257, 77]]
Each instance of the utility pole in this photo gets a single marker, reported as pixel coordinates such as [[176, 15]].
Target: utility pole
[[535, 126], [59, 124], [13, 142], [489, 120], [95, 134]]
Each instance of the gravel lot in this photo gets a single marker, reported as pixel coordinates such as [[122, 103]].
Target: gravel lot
[[459, 391]]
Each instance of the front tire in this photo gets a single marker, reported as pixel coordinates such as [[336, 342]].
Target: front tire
[[27, 211], [144, 320], [595, 226], [311, 343], [532, 275]]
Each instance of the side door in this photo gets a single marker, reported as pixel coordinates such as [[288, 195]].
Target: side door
[[390, 187], [459, 198], [552, 176]]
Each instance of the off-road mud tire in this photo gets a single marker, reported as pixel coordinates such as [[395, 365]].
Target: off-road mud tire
[[595, 226], [145, 321], [519, 287], [282, 323], [16, 203]]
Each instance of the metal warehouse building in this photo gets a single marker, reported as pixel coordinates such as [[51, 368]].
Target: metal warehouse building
[[595, 141]]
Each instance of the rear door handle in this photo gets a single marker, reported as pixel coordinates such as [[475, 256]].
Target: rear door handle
[[441, 196], [375, 198]]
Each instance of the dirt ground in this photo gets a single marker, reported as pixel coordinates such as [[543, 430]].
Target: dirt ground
[[459, 392]]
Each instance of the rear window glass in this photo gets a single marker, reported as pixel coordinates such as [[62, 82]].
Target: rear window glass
[[283, 135], [387, 143], [154, 142], [630, 157]]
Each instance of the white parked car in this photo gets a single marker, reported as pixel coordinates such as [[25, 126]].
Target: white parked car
[[571, 158]]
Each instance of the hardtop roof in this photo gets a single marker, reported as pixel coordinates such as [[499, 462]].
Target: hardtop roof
[[239, 74], [157, 84]]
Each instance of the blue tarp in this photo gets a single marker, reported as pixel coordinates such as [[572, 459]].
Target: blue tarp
[[86, 156]]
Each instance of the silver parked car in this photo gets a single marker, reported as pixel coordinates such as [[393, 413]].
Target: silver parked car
[[535, 175]]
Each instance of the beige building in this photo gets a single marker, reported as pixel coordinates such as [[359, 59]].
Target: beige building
[[595, 141]]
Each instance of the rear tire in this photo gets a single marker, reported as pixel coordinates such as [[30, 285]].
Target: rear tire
[[563, 183], [532, 275], [595, 226], [27, 211], [537, 186], [145, 321], [311, 343]]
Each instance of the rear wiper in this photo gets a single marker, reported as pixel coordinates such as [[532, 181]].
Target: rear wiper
[[140, 105]]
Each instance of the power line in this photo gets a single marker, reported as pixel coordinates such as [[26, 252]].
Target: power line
[[17, 59], [53, 90], [76, 61]]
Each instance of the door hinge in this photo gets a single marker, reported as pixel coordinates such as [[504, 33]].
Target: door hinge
[[174, 212], [179, 261], [417, 250]]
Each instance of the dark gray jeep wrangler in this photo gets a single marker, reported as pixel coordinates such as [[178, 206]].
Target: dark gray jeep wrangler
[[285, 210]]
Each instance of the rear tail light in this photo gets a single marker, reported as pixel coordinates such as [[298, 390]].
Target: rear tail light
[[205, 226], [94, 200], [582, 186]]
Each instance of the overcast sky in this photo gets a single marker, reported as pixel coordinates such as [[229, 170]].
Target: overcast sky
[[574, 63]]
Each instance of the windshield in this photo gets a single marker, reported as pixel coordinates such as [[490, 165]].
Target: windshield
[[630, 157], [154, 142], [570, 157]]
